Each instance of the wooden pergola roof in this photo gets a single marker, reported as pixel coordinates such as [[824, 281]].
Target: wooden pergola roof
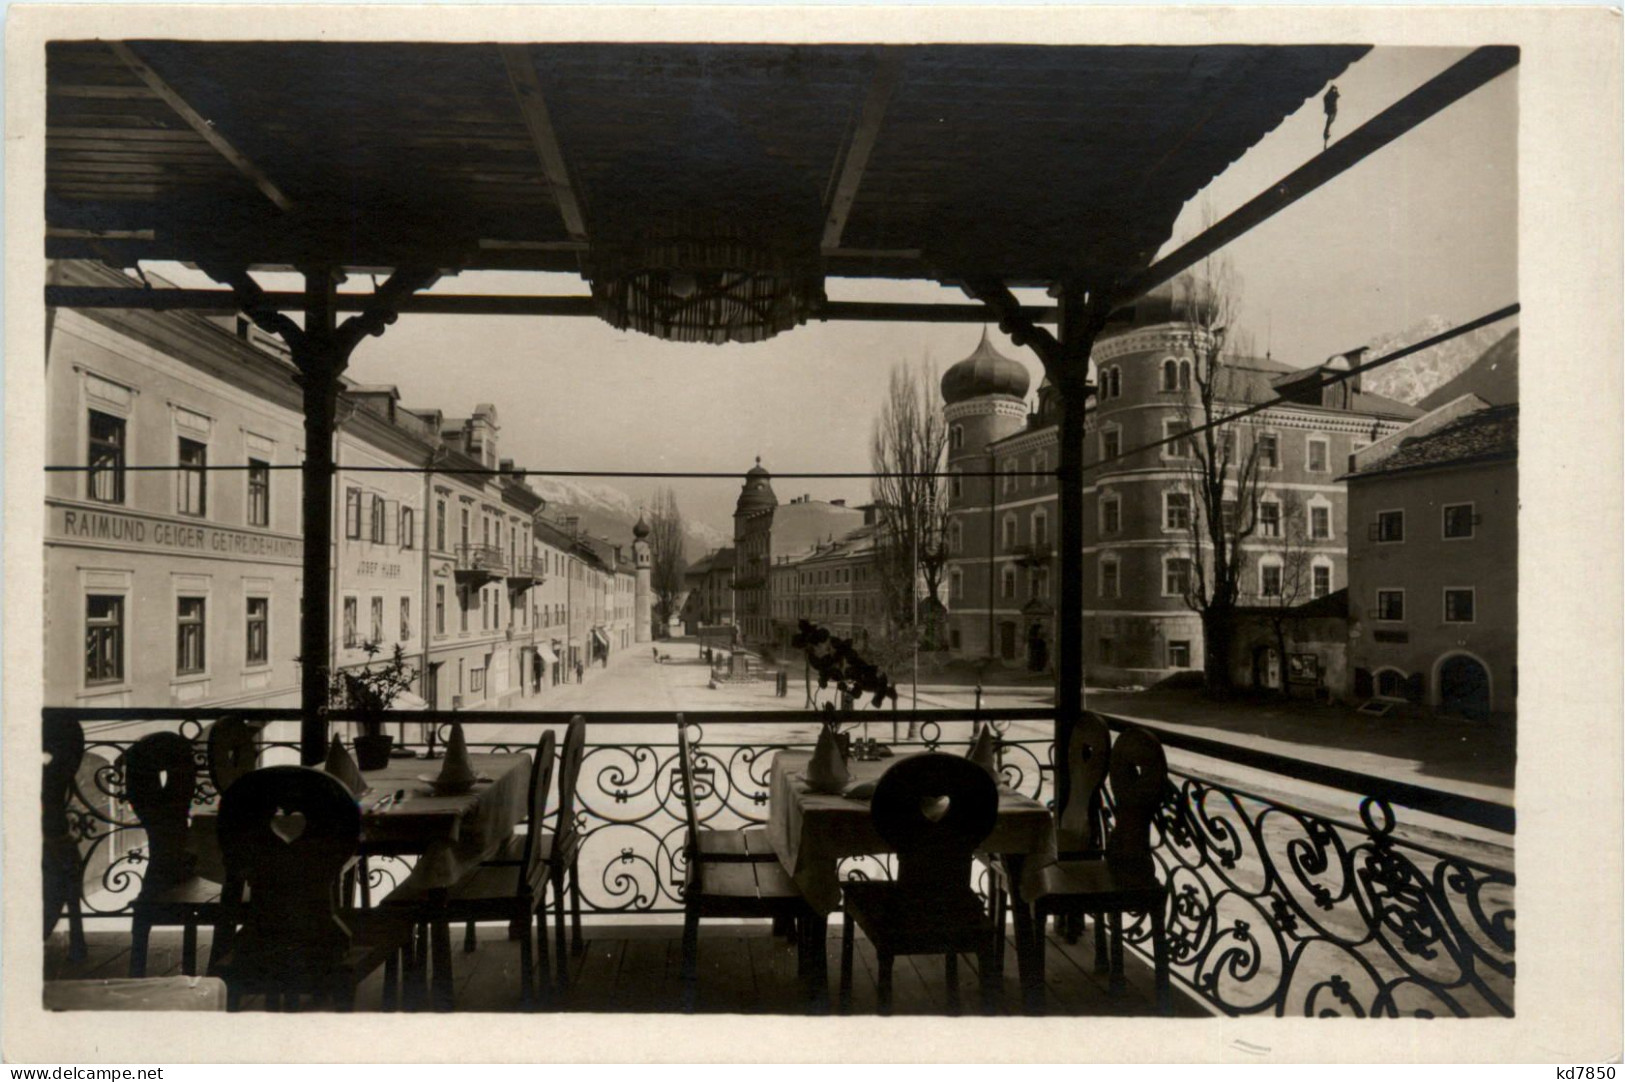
[[1029, 164]]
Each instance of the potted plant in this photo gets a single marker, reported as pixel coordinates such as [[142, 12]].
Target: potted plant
[[852, 678], [370, 690]]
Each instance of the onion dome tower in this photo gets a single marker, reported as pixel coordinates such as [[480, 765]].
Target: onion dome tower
[[643, 596], [985, 399]]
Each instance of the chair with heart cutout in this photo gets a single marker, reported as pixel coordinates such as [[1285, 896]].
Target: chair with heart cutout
[[160, 779], [61, 867], [288, 833], [933, 811], [1124, 880]]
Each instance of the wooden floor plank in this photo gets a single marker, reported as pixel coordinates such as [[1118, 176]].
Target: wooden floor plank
[[743, 969]]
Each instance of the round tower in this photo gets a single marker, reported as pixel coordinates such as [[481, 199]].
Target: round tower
[[984, 399], [643, 597], [753, 533]]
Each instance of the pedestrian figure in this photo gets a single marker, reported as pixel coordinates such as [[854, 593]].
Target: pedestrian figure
[[581, 673], [655, 650], [1329, 102]]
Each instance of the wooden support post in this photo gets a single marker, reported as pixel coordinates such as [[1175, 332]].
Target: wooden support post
[[320, 361], [321, 351], [1066, 362]]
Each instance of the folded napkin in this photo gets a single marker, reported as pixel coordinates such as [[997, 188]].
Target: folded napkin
[[984, 751], [826, 771], [456, 772], [342, 766], [863, 790]]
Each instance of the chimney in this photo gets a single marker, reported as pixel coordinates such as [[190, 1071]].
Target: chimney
[[505, 465]]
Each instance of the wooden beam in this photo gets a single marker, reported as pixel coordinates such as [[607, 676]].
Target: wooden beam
[[202, 126], [225, 300], [862, 145], [527, 90], [1432, 97]]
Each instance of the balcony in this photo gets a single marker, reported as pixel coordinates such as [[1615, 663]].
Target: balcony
[[527, 571], [478, 564], [1307, 890], [1033, 555]]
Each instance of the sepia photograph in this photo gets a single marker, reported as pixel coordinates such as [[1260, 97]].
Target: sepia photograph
[[941, 523]]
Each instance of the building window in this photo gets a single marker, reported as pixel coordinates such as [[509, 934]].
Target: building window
[[1176, 576], [258, 636], [192, 480], [956, 540], [104, 639], [406, 619], [1010, 479], [1114, 382], [1390, 526], [351, 635], [464, 534], [408, 528], [377, 620], [352, 513], [1320, 454], [956, 484], [953, 638], [1321, 576], [189, 637], [1184, 375], [1269, 578], [1110, 578], [1040, 466], [1176, 510], [379, 521], [956, 585], [1040, 529], [1007, 584], [106, 458], [1106, 652], [1320, 522], [1008, 532], [1111, 443], [1391, 684], [1269, 450], [259, 493], [1170, 375], [476, 680], [1040, 583], [1391, 605], [1111, 515], [1179, 654], [1227, 516], [956, 437], [440, 525], [1269, 518], [1176, 431], [1458, 521], [439, 610], [1458, 605]]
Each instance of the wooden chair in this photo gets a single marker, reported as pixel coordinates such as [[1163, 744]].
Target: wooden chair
[[61, 870], [1080, 827], [511, 892], [160, 779], [560, 848], [1124, 880], [930, 907], [731, 888], [233, 751], [288, 833]]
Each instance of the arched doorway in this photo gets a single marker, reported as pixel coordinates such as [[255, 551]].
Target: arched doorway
[[1464, 686]]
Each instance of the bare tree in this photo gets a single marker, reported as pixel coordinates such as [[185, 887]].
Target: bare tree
[[1284, 572], [668, 565], [907, 447], [1218, 495]]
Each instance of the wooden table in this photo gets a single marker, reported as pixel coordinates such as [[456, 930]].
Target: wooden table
[[448, 834], [812, 832]]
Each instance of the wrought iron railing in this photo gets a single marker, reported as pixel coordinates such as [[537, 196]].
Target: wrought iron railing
[[1275, 908], [487, 559]]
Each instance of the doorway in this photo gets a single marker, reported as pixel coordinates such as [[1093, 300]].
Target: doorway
[[1007, 640], [1464, 686]]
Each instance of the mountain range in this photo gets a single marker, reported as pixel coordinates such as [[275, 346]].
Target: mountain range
[[606, 511], [1415, 377]]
